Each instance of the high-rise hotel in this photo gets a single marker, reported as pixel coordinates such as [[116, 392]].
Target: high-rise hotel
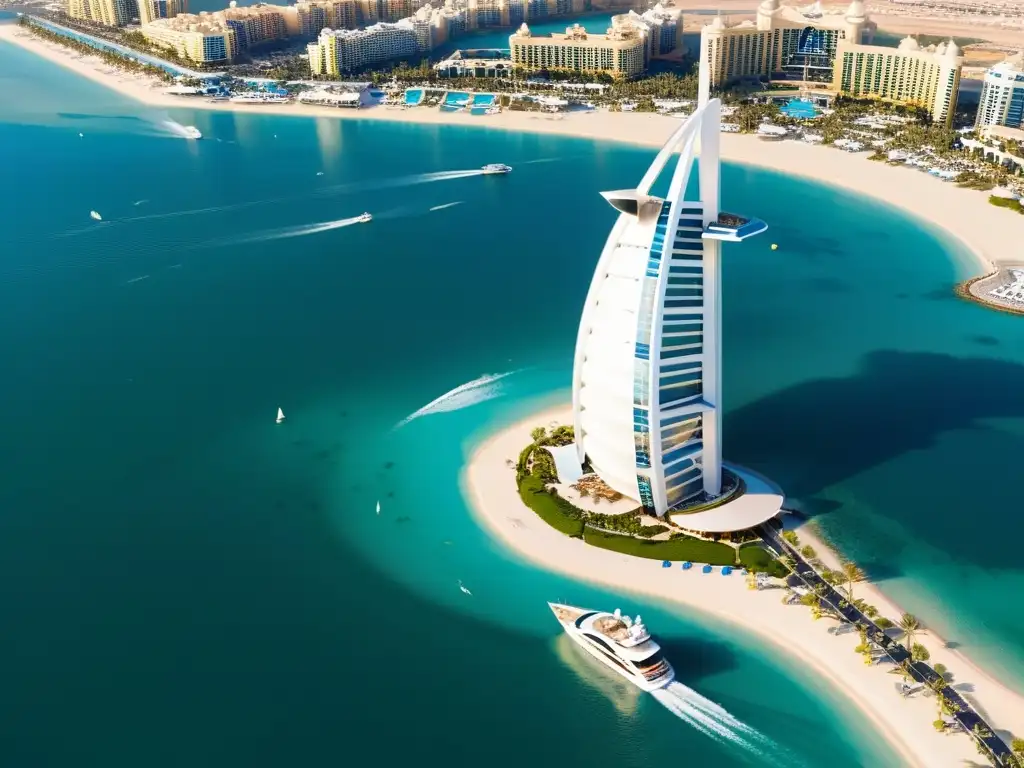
[[1002, 95], [782, 43], [621, 51], [925, 77], [647, 373]]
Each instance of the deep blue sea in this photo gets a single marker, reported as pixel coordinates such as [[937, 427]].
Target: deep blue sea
[[184, 582]]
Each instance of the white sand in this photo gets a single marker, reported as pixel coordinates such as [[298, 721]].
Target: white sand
[[993, 235], [907, 723]]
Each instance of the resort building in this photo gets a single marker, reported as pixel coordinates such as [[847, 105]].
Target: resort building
[[151, 10], [200, 38], [783, 43], [661, 27], [647, 372], [925, 77], [313, 16], [1002, 95], [346, 50], [220, 36], [111, 13], [620, 52]]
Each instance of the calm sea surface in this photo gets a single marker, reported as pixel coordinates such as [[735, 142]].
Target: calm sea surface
[[186, 583]]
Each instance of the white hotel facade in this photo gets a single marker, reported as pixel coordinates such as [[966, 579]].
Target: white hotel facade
[[647, 373]]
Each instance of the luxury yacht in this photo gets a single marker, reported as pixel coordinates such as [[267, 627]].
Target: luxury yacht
[[620, 643], [192, 132], [496, 168], [365, 218]]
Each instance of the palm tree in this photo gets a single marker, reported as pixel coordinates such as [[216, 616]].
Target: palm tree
[[909, 624], [852, 573]]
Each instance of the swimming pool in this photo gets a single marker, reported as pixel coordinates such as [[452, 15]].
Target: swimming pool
[[413, 96], [800, 109]]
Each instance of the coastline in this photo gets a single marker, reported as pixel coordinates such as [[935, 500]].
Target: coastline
[[906, 724], [990, 234]]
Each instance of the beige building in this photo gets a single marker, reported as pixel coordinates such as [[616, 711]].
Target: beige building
[[220, 36], [151, 10], [620, 52], [112, 13], [783, 42], [925, 77]]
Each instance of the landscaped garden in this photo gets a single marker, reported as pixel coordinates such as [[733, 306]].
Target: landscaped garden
[[625, 532]]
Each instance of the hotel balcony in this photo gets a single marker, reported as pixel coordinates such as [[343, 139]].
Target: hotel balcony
[[733, 228]]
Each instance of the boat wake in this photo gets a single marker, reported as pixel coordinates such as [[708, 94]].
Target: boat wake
[[715, 721], [447, 205], [176, 129], [473, 392], [278, 234]]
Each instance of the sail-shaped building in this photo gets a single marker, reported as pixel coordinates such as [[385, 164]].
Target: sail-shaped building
[[647, 373]]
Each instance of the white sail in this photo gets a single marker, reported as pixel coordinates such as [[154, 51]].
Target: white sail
[[280, 415]]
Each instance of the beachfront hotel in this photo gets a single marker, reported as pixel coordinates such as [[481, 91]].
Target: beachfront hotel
[[111, 13], [221, 35], [925, 77], [783, 43], [151, 10], [620, 52], [344, 50], [1002, 95], [647, 372]]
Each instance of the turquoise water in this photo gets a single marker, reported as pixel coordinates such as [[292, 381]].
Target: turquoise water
[[800, 109], [188, 583]]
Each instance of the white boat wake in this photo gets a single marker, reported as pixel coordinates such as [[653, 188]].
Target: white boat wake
[[278, 234], [473, 392], [715, 721], [176, 129], [447, 205]]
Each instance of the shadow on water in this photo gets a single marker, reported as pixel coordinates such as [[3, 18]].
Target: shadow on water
[[897, 404], [695, 659]]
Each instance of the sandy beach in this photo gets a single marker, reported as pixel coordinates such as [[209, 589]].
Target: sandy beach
[[490, 487], [991, 234]]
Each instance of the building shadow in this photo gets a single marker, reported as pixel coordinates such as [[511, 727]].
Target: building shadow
[[817, 434]]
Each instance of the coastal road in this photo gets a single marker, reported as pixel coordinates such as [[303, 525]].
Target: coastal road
[[997, 750]]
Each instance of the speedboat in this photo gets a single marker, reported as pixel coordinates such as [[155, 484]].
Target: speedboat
[[495, 168], [191, 132], [619, 642], [365, 218]]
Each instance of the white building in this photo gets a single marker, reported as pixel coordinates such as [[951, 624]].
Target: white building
[[1002, 95], [647, 373]]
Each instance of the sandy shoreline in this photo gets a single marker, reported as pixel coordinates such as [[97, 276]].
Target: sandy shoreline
[[991, 234], [489, 486]]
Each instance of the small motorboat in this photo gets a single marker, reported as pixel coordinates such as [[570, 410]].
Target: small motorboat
[[191, 132], [95, 215], [378, 507], [496, 168], [464, 588], [365, 218], [280, 415]]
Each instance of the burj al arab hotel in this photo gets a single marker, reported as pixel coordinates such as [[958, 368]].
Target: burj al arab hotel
[[647, 373]]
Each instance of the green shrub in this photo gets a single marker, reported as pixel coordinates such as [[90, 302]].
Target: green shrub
[[551, 508], [544, 466], [676, 548], [757, 559], [1006, 202]]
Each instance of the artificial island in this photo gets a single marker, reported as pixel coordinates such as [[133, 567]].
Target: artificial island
[[627, 487]]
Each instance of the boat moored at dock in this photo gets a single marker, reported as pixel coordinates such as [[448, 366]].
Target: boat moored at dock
[[619, 642]]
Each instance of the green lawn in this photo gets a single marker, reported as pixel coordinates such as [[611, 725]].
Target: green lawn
[[553, 510], [694, 550], [756, 558]]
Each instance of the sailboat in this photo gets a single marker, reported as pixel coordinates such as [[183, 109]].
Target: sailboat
[[378, 507], [280, 415]]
